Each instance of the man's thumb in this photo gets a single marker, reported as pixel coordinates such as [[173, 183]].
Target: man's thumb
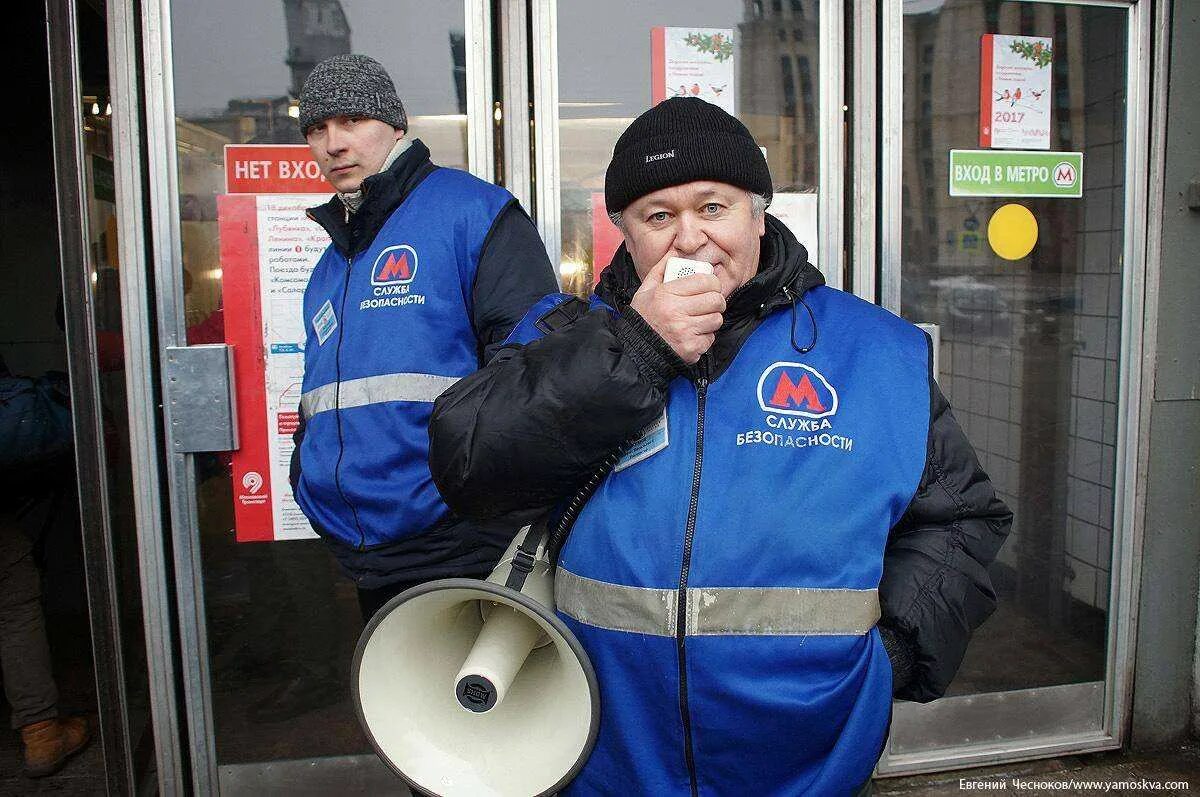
[[655, 275]]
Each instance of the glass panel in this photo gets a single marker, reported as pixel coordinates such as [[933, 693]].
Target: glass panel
[[282, 620], [1029, 347], [42, 549], [759, 58], [100, 201]]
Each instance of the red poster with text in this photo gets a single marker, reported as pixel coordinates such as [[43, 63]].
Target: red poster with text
[[269, 247], [273, 169], [238, 226]]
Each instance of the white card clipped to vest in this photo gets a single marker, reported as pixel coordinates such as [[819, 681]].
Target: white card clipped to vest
[[654, 438]]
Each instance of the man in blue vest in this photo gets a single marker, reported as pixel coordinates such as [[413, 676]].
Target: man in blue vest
[[788, 526], [428, 271]]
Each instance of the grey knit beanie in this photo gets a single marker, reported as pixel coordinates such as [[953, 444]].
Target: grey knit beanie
[[350, 85]]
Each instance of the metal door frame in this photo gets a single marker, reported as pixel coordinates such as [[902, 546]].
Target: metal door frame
[[831, 151], [125, 74], [1071, 718], [166, 277]]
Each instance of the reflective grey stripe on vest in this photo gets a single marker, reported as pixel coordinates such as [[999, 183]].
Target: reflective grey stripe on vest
[[373, 390], [717, 610]]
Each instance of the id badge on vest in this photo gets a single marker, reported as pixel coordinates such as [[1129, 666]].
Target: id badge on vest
[[653, 438], [324, 322]]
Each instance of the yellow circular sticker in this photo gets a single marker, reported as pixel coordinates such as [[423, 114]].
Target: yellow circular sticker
[[1012, 231]]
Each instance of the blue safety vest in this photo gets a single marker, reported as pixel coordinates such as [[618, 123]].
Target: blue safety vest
[[723, 579], [387, 332]]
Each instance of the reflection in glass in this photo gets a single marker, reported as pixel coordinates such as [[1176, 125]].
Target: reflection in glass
[[1029, 348], [773, 91], [282, 619]]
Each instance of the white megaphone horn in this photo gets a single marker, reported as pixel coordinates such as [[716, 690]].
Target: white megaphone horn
[[469, 687]]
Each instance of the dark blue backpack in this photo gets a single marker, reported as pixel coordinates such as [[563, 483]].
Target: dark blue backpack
[[35, 420]]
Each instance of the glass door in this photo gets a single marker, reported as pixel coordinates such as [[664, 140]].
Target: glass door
[[1038, 350], [268, 624], [1012, 219]]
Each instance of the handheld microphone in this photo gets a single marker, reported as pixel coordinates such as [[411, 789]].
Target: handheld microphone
[[680, 267]]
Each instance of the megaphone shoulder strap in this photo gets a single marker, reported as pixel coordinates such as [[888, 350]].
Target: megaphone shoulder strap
[[526, 554]]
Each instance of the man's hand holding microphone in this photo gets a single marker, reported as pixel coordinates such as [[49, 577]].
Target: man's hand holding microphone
[[685, 311]]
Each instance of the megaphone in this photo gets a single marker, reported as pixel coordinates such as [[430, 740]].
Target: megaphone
[[470, 687]]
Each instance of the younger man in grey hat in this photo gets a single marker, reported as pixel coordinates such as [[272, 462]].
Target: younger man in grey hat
[[429, 270]]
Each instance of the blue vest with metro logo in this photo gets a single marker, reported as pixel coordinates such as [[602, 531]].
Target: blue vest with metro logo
[[386, 333], [761, 528]]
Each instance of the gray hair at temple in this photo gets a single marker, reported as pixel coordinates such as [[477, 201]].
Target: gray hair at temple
[[758, 206]]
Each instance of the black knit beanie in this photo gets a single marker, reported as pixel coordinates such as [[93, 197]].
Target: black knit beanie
[[350, 85], [678, 141]]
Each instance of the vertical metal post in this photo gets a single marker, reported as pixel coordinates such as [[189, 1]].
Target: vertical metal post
[[514, 72], [481, 160], [831, 142], [544, 25], [892, 152], [863, 194], [142, 404], [62, 38], [1139, 302], [166, 251]]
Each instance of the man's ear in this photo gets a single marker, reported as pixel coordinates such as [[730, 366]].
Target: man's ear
[[400, 133]]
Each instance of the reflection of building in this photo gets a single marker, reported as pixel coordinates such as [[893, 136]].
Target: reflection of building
[[263, 120], [316, 30], [458, 55], [777, 86]]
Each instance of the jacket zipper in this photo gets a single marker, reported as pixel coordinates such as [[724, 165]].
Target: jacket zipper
[[685, 567], [337, 408]]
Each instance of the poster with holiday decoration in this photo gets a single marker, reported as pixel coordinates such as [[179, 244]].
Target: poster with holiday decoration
[[1014, 91], [693, 62]]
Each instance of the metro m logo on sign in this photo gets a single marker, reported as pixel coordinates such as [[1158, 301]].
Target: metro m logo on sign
[[1065, 175], [796, 389], [396, 265]]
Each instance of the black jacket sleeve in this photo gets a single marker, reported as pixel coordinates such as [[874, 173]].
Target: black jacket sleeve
[[512, 275], [935, 589], [526, 431]]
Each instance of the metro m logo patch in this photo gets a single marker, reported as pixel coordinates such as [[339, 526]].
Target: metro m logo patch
[[796, 389], [396, 265]]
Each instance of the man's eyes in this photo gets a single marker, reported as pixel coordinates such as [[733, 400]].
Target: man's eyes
[[709, 209]]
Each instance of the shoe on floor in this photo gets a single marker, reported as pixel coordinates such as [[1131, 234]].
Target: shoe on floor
[[49, 743]]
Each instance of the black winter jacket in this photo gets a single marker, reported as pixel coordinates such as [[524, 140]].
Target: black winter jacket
[[512, 274], [524, 433]]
